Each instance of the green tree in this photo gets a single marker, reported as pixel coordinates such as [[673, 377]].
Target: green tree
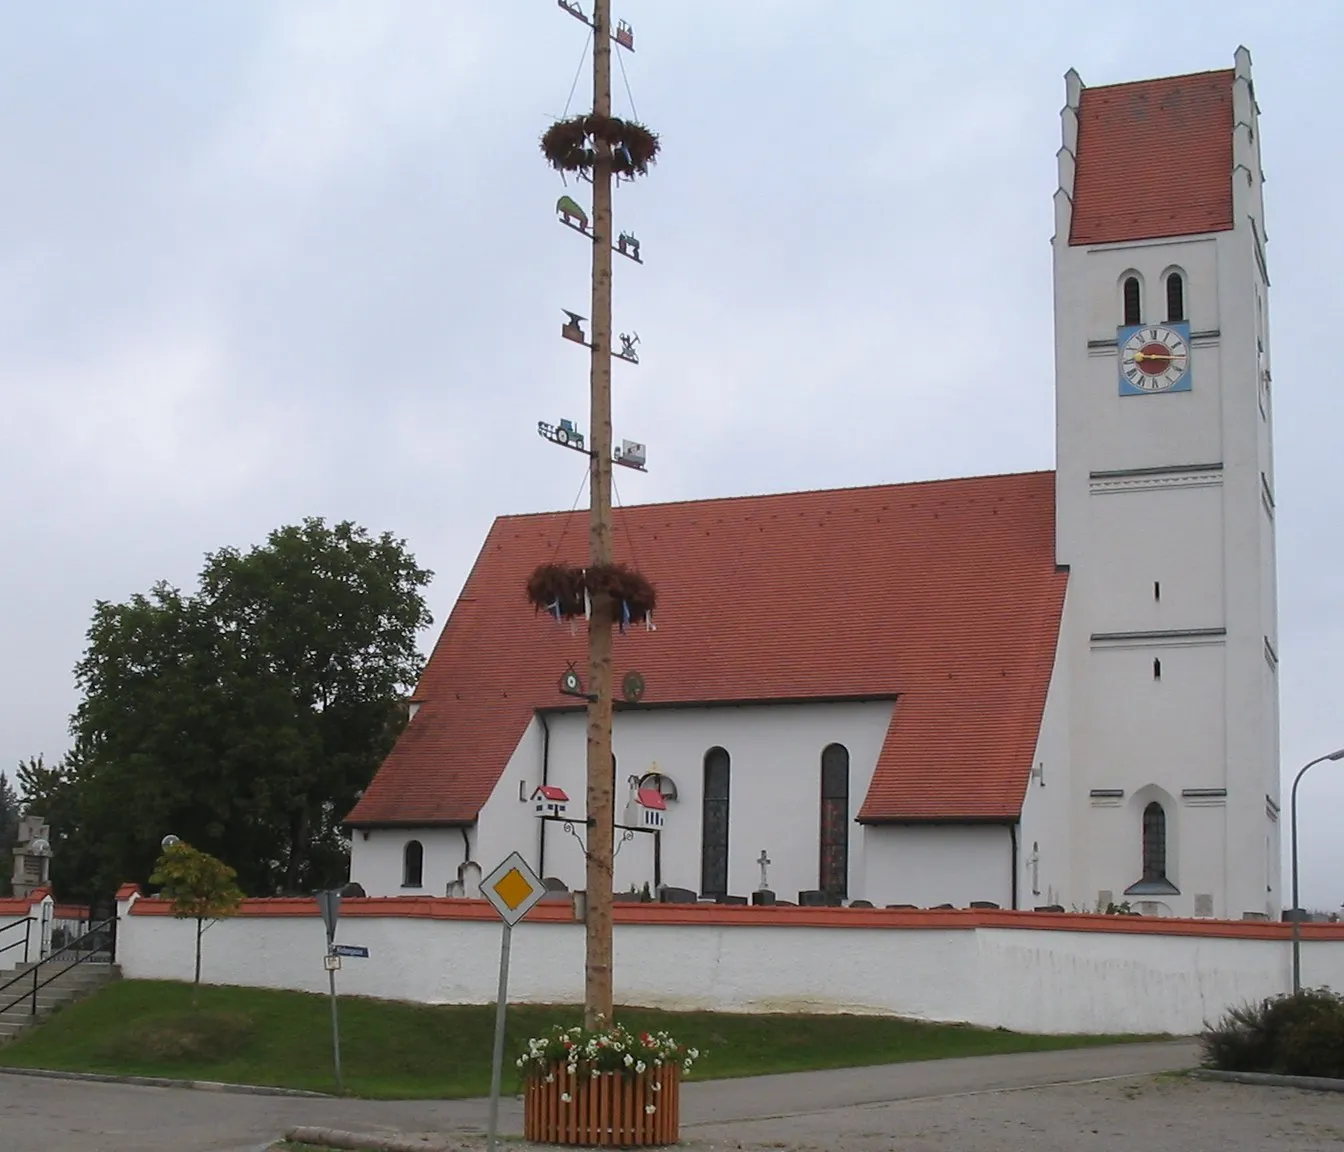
[[245, 717], [9, 829], [199, 886]]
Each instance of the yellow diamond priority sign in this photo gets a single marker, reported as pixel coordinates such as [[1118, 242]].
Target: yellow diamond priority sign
[[513, 888]]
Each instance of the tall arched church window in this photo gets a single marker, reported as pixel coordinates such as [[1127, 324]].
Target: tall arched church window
[[834, 875], [1154, 843], [413, 865], [1175, 297], [1133, 302], [714, 824]]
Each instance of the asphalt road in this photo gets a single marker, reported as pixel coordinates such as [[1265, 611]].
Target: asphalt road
[[79, 1116]]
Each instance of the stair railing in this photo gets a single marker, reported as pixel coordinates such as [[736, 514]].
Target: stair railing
[[109, 924], [27, 925]]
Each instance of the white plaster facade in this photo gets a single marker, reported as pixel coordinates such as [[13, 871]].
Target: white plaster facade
[[1164, 687], [1074, 978], [1165, 518], [774, 805]]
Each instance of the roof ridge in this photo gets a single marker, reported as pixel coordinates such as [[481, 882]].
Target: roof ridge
[[1160, 79], [905, 484]]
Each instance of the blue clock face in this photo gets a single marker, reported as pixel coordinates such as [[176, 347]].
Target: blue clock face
[[1154, 358]]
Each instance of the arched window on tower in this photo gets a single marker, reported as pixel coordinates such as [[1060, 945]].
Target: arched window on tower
[[1133, 303], [1175, 297], [834, 875], [714, 824], [1154, 843], [413, 865]]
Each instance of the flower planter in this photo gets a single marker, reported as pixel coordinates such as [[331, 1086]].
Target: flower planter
[[609, 1109]]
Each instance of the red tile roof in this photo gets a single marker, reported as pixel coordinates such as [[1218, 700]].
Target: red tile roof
[[1154, 159], [944, 595]]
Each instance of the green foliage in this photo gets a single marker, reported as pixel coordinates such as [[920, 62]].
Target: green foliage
[[612, 1049], [246, 717], [1299, 1034], [199, 886], [9, 830]]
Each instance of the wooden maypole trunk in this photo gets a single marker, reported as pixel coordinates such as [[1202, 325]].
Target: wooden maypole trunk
[[597, 999]]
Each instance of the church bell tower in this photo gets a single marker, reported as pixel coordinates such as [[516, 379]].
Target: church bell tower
[[1165, 499]]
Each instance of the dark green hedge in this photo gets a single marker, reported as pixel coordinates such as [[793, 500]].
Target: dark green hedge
[[1299, 1034]]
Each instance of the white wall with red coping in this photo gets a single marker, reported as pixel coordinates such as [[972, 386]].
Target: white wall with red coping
[[1026, 971]]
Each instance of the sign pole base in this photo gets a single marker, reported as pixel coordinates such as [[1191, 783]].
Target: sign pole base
[[497, 1064]]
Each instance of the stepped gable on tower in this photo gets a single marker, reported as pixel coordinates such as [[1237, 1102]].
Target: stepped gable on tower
[[1154, 159], [943, 596]]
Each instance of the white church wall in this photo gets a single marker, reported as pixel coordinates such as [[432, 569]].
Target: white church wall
[[928, 865], [774, 798], [1024, 971], [377, 857], [1162, 552], [1046, 870], [1177, 746]]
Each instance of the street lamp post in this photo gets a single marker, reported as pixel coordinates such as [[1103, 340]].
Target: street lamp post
[[1297, 911]]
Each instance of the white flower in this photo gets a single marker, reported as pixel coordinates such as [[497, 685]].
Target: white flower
[[657, 1085], [640, 1066], [629, 1059], [572, 1068], [649, 1109], [693, 1053], [686, 1066], [520, 1062], [565, 1097], [551, 1078]]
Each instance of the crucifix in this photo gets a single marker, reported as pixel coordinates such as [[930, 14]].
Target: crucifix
[[763, 860], [1034, 862]]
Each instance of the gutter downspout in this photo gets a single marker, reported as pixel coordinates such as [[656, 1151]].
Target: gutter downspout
[[545, 779], [1012, 834]]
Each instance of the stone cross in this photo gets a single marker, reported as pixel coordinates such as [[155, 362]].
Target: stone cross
[[763, 860]]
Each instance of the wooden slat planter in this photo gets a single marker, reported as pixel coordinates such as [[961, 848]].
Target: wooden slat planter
[[607, 1110]]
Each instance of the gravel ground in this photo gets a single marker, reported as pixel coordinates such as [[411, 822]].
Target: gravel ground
[[1152, 1114]]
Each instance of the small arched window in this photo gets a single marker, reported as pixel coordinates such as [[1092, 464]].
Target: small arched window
[[413, 865], [1175, 297], [1133, 302], [1154, 843]]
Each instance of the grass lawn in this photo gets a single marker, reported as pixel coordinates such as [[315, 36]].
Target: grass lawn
[[394, 1050]]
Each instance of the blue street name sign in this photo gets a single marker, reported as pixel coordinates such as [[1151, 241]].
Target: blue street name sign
[[350, 950]]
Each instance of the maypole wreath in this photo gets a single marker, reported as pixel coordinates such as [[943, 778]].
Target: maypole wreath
[[566, 591], [568, 144]]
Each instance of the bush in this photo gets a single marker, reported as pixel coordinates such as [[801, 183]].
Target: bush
[[1299, 1034]]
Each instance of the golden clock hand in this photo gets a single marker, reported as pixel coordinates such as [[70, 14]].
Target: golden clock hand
[[1141, 356]]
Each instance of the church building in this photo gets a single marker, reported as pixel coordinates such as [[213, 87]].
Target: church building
[[1055, 688]]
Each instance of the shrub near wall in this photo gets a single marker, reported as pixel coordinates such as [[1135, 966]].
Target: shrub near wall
[[1300, 1034]]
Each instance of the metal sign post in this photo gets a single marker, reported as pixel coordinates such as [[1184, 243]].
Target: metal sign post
[[330, 904], [513, 889]]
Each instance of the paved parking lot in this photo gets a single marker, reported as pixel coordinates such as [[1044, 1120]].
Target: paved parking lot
[[1100, 1099]]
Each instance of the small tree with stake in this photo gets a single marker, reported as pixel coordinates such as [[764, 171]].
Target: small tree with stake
[[199, 886]]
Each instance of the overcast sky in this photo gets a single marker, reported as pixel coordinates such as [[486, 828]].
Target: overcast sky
[[262, 259]]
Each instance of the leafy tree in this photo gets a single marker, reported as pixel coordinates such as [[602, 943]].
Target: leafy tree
[[9, 829], [245, 718], [199, 886]]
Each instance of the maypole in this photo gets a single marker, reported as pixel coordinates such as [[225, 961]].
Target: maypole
[[600, 149]]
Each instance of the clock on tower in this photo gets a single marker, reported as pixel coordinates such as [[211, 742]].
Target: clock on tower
[[1154, 358]]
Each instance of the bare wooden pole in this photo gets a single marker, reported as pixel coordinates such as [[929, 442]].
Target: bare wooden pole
[[601, 775]]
